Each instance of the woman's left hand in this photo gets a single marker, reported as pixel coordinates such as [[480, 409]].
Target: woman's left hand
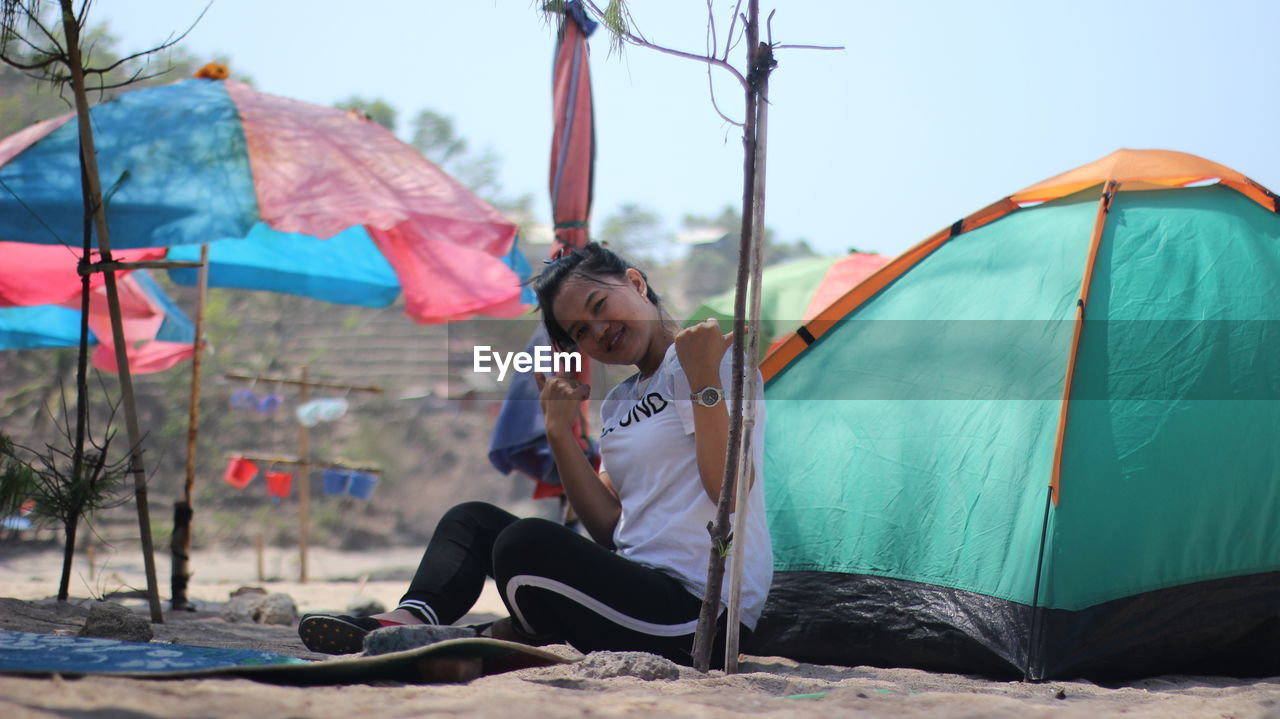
[[700, 349]]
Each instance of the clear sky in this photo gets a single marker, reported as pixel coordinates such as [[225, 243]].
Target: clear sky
[[933, 110]]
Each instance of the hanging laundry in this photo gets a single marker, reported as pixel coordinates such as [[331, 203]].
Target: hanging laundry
[[336, 481], [240, 472], [279, 484], [269, 403], [321, 410], [362, 485], [244, 399]]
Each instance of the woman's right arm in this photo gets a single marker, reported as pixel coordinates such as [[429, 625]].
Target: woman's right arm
[[592, 496]]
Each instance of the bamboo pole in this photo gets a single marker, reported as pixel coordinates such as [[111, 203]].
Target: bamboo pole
[[71, 29], [312, 465], [259, 550], [746, 466], [184, 511], [303, 383], [144, 265], [304, 480]]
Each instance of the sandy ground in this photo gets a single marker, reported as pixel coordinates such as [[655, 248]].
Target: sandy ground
[[767, 686]]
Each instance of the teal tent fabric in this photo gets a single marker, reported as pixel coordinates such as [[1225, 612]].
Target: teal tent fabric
[[910, 450], [929, 415], [1171, 466], [899, 445]]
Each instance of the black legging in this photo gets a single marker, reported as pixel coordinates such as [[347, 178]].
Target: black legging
[[557, 584]]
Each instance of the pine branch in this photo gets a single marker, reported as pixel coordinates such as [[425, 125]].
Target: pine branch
[[33, 18]]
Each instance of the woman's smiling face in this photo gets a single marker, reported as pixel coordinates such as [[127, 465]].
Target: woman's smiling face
[[610, 318]]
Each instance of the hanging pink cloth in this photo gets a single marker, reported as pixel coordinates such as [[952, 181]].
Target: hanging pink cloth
[[141, 317], [46, 274], [240, 472]]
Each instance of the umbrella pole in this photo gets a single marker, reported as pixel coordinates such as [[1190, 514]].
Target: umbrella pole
[[184, 511], [71, 27]]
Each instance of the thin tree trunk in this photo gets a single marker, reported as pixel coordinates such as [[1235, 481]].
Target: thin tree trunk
[[721, 538], [82, 417], [68, 554], [71, 29], [82, 385]]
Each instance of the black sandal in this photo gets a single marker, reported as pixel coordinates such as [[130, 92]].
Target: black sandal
[[336, 634]]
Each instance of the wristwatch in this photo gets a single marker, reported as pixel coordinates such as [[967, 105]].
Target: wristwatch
[[708, 396]]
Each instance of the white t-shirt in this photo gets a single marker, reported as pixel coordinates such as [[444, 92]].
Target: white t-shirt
[[648, 448]]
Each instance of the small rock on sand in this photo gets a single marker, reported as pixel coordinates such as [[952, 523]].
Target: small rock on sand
[[649, 667], [398, 639], [111, 621], [278, 608]]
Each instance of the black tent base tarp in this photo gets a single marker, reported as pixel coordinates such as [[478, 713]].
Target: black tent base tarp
[[1224, 626]]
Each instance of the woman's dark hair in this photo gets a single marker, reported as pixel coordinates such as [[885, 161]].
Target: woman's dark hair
[[591, 263]]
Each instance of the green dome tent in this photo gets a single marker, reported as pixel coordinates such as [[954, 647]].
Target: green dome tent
[[1045, 442]]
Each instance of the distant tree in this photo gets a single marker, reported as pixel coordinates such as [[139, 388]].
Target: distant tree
[[437, 138], [434, 136], [634, 231]]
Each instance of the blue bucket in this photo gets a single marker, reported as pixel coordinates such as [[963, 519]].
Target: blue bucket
[[336, 481], [362, 485]]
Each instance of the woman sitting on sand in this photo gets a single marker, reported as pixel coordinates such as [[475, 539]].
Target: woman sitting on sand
[[639, 585]]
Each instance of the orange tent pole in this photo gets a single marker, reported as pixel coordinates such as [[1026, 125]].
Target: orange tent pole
[[1100, 221]]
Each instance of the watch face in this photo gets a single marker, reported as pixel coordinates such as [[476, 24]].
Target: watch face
[[709, 397]]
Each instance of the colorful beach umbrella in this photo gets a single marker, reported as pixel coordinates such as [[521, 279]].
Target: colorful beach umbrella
[[293, 197], [795, 292]]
